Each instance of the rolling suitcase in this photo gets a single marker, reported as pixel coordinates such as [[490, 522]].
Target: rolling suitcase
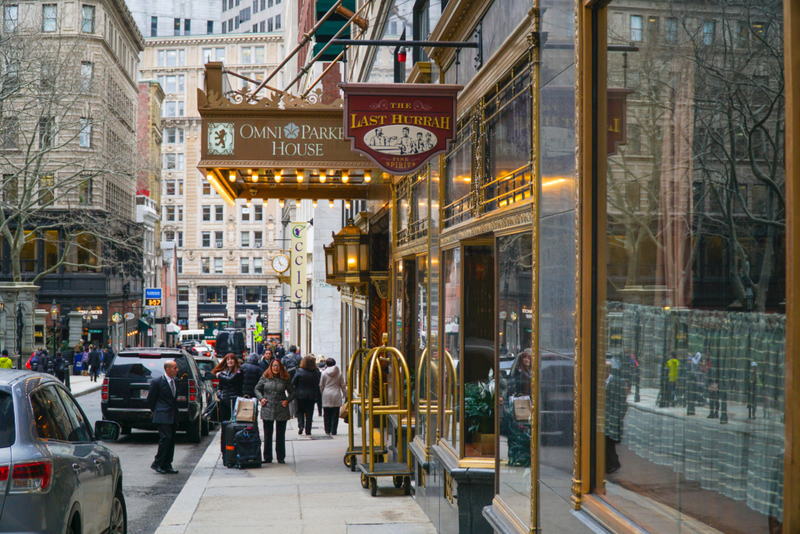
[[229, 430], [247, 448]]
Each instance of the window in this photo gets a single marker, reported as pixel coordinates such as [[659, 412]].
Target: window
[[153, 26], [251, 295], [173, 188], [85, 135], [210, 27], [46, 189], [187, 26], [206, 213], [244, 266], [258, 240], [169, 236], [213, 54], [218, 266], [10, 188], [269, 3], [652, 28], [245, 214], [179, 268], [11, 83], [183, 294], [247, 55], [219, 213], [85, 191], [180, 213], [49, 17], [47, 127], [206, 240], [277, 22], [218, 239], [206, 188], [204, 266], [263, 5], [173, 162], [636, 28], [87, 21], [180, 240], [245, 239], [169, 213], [269, 25], [258, 212], [177, 27], [172, 58], [255, 6], [87, 72], [10, 132], [48, 413], [172, 84], [709, 29], [174, 136], [212, 295], [671, 30], [258, 266], [10, 18], [263, 26]]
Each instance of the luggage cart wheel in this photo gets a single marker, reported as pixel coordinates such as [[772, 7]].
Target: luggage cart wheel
[[347, 460], [407, 485], [353, 464], [398, 482], [373, 486], [364, 481]]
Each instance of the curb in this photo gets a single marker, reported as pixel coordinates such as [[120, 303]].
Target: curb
[[180, 513], [87, 391]]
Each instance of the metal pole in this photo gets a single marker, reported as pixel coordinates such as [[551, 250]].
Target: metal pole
[[306, 38], [410, 44]]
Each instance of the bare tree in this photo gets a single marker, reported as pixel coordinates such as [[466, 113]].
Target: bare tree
[[68, 173]]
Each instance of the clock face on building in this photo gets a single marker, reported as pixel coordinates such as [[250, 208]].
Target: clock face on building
[[280, 263]]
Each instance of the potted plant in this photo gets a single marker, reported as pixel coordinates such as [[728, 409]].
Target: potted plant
[[479, 414]]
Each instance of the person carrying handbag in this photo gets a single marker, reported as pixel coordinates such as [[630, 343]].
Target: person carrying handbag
[[333, 389]]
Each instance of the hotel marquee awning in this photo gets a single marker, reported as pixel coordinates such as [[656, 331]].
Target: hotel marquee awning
[[279, 146]]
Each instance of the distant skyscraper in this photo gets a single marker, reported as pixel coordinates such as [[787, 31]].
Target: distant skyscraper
[[159, 18], [253, 16]]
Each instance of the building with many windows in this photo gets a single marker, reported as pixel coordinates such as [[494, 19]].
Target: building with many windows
[[223, 253], [253, 16], [163, 19]]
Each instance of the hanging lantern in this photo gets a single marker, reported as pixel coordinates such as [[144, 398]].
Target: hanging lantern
[[347, 258]]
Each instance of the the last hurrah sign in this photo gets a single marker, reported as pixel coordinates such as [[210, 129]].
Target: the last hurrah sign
[[400, 126]]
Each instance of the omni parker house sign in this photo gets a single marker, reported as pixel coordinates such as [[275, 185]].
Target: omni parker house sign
[[399, 126]]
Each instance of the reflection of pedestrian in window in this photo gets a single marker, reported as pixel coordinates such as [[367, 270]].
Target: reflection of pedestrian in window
[[712, 386], [521, 374], [616, 407], [751, 389], [673, 368]]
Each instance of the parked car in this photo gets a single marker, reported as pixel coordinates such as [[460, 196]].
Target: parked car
[[206, 365], [54, 475], [231, 341], [127, 384]]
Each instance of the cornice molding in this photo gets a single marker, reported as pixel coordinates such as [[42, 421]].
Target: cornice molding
[[488, 224], [456, 24], [184, 40]]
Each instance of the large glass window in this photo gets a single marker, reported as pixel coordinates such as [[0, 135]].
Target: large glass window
[[458, 178], [449, 409], [422, 345], [691, 315], [212, 295], [514, 337]]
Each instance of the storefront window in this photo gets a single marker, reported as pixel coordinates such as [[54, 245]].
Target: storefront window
[[458, 177], [398, 304], [433, 283], [422, 346], [449, 410], [691, 332], [418, 212], [514, 335]]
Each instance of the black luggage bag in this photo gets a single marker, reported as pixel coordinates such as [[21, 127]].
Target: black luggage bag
[[247, 448], [229, 430]]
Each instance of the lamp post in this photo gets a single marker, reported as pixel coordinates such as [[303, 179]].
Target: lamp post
[[54, 315]]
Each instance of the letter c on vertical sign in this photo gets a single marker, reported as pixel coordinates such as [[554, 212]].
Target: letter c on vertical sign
[[299, 294]]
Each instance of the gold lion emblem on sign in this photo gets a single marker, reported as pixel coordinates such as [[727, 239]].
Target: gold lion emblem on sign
[[220, 138]]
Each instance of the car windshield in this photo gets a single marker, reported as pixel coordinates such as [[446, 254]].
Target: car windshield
[[145, 366], [7, 433], [205, 366]]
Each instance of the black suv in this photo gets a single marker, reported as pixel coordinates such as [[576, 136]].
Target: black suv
[[231, 341], [127, 383]]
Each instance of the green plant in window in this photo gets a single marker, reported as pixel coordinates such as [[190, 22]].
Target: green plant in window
[[479, 406], [519, 445]]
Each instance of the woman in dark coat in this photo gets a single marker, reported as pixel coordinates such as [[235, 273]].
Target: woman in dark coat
[[274, 392], [231, 379], [306, 383], [252, 374]]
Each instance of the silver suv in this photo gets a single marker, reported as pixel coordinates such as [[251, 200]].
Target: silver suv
[[54, 475]]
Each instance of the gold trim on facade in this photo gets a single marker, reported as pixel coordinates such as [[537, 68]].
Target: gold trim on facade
[[516, 215]]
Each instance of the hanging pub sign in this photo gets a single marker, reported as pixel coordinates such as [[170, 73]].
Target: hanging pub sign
[[400, 126]]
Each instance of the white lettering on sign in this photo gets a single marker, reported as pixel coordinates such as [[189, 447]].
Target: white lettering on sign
[[298, 263], [294, 140]]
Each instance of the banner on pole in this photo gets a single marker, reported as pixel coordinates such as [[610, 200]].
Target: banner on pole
[[298, 263]]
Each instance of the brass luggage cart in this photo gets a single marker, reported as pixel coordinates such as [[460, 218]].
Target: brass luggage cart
[[385, 362], [355, 395]]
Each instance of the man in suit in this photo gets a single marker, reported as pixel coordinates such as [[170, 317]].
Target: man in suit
[[161, 400]]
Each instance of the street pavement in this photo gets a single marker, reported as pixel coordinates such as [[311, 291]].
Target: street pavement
[[313, 492]]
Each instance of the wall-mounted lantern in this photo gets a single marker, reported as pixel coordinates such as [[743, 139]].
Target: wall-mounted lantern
[[347, 258]]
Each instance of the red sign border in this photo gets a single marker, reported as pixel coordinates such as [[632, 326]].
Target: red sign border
[[394, 90]]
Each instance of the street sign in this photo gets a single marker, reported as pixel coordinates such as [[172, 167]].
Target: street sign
[[129, 316], [152, 296]]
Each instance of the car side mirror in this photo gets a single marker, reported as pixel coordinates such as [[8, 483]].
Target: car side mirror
[[107, 430]]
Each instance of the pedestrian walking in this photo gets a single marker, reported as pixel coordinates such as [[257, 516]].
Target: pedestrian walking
[[95, 361], [306, 383], [231, 380], [274, 392], [59, 366], [333, 388], [108, 357], [279, 351], [5, 361], [161, 401], [252, 374], [41, 360], [292, 361], [266, 359]]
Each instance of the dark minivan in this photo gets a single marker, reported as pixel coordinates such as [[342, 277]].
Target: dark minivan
[[231, 341], [127, 383]]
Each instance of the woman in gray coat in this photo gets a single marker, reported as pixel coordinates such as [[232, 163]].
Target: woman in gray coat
[[274, 392]]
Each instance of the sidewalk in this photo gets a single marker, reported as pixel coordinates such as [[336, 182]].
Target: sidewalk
[[312, 493], [83, 385]]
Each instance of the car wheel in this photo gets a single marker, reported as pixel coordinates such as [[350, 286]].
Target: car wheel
[[193, 433], [119, 514], [204, 428]]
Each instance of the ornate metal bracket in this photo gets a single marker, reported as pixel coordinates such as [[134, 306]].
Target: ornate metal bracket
[[380, 281]]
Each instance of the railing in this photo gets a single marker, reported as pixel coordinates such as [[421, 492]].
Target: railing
[[509, 189], [457, 212]]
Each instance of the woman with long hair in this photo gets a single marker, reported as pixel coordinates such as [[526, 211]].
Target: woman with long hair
[[306, 382], [274, 392], [231, 380]]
